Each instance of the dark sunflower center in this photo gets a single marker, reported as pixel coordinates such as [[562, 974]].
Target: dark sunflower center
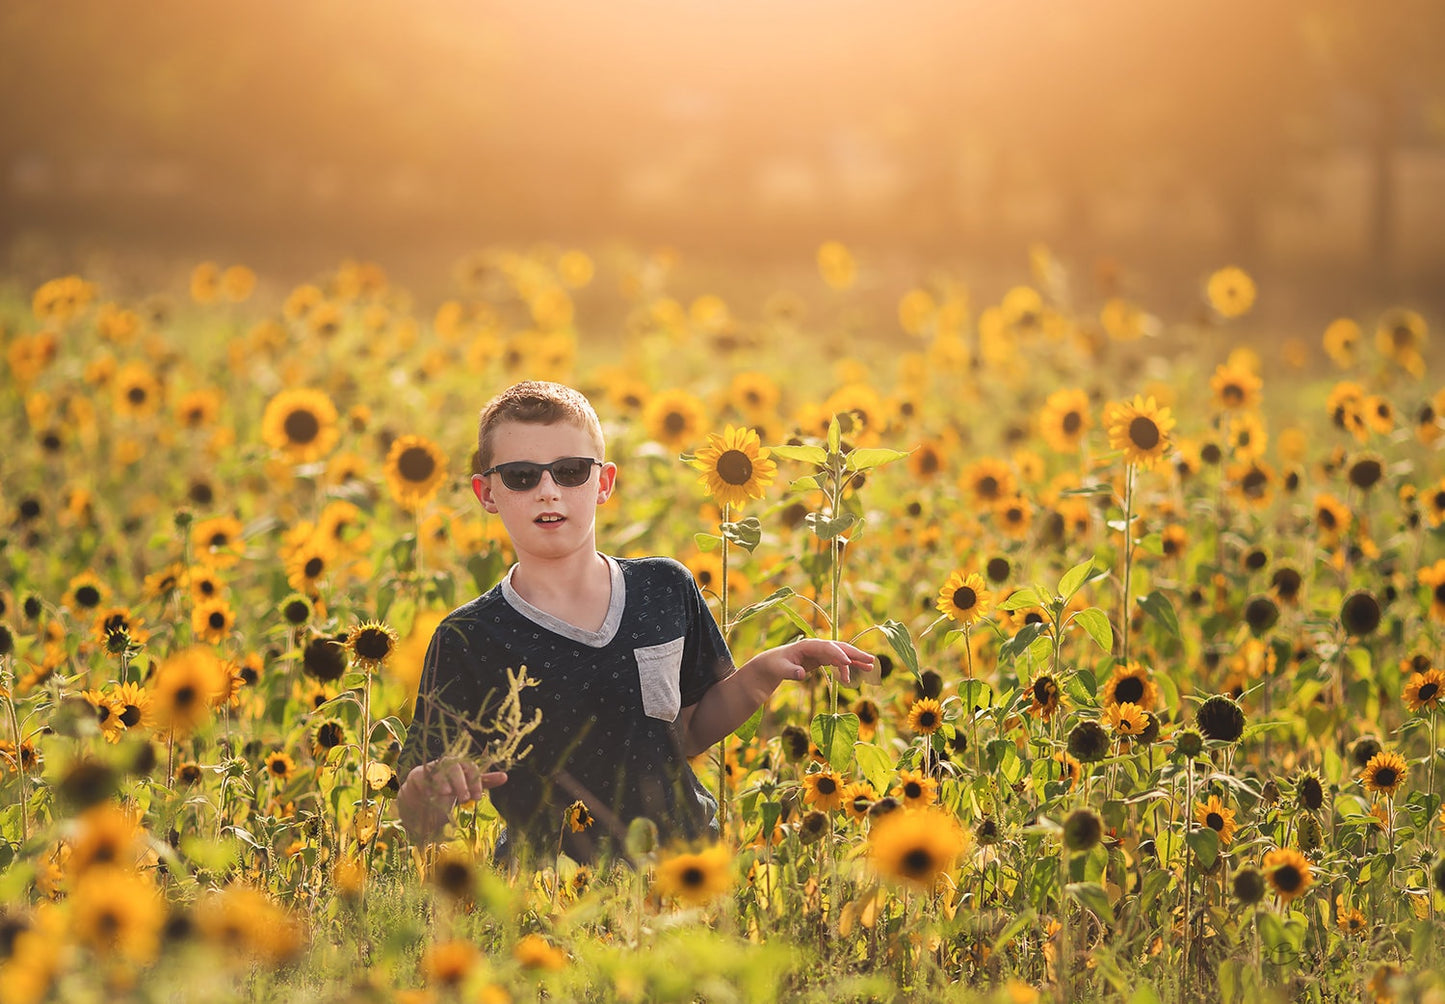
[[302, 426], [1233, 393], [1214, 821], [328, 735], [1144, 433], [917, 862], [216, 620], [1386, 777], [913, 790], [130, 715], [185, 697], [1072, 422], [988, 486], [867, 713], [103, 712], [1129, 690], [1440, 593], [136, 395], [1243, 438], [1254, 483], [693, 877], [1327, 519], [1045, 690], [928, 462], [964, 598], [827, 786], [927, 719], [1402, 336], [87, 596], [1287, 878], [735, 467], [674, 423], [373, 644], [278, 766], [296, 612], [314, 567], [416, 465], [1428, 691], [1365, 473]]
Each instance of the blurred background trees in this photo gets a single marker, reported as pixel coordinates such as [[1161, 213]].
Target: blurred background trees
[[1300, 136]]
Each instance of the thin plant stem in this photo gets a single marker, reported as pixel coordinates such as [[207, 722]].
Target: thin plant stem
[[722, 744], [1128, 558]]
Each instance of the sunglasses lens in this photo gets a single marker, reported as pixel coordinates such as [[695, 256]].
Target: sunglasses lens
[[521, 476], [571, 472]]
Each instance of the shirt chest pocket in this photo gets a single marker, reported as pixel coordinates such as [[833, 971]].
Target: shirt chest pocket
[[659, 671]]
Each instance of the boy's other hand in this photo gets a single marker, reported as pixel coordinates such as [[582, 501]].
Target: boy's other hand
[[432, 790], [796, 660]]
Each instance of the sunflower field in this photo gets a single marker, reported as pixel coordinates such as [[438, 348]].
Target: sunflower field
[[1158, 605]]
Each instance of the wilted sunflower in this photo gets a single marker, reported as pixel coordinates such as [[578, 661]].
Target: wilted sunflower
[[415, 468], [184, 688], [1360, 613], [1231, 292], [1220, 718], [916, 846], [1214, 814], [370, 644], [1131, 683], [1045, 696], [1423, 690], [301, 423], [1139, 428], [1083, 829], [695, 878], [1235, 388], [915, 789], [925, 717], [964, 598], [1088, 741], [1385, 773], [1064, 419], [577, 818], [735, 466], [823, 790], [674, 418], [1288, 872]]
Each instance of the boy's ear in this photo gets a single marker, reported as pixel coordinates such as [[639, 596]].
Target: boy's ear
[[483, 492], [606, 481]]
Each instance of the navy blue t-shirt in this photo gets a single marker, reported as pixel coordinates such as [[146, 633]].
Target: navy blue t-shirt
[[609, 701]]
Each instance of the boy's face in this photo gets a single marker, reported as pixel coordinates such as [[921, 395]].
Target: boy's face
[[546, 520]]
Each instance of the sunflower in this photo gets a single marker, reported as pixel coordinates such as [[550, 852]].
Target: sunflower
[[915, 789], [1360, 613], [1214, 814], [1235, 388], [448, 963], [1045, 696], [1231, 292], [324, 658], [280, 766], [867, 711], [988, 480], [1400, 335], [858, 798], [371, 644], [309, 563], [415, 468], [86, 592], [1015, 516], [695, 878], [1352, 921], [916, 846], [823, 790], [107, 714], [576, 818], [1126, 719], [1385, 773], [674, 418], [1174, 538], [119, 621], [1139, 428], [116, 911], [205, 583], [1435, 503], [1064, 419], [212, 620], [925, 717], [106, 835], [137, 392], [217, 541], [532, 951], [1288, 872], [1247, 436], [159, 585], [1424, 690], [925, 460], [135, 705], [735, 466], [1341, 341], [327, 736], [344, 525], [184, 688], [963, 598], [1434, 578], [1332, 517], [301, 423], [1131, 684], [197, 409], [1250, 483]]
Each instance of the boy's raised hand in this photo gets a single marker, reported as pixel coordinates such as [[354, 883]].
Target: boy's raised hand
[[796, 660], [432, 790]]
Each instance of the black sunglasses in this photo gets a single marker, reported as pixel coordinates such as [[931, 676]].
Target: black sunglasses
[[522, 475]]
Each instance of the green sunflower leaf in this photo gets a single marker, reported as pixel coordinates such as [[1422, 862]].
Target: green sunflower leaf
[[773, 601], [1092, 896], [1157, 605], [745, 533], [902, 643], [828, 527], [748, 729], [707, 541], [1204, 842], [1096, 623], [1020, 642], [875, 764], [814, 455], [1075, 578], [1021, 598], [867, 459], [835, 736]]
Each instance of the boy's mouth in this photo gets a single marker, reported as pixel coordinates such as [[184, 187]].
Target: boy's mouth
[[549, 519]]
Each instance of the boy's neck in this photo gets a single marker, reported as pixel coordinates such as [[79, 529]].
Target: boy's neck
[[576, 589]]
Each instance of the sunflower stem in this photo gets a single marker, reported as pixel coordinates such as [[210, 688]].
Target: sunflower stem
[[8, 679], [722, 744], [1128, 558]]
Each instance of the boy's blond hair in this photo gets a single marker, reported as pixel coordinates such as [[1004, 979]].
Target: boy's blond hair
[[538, 402]]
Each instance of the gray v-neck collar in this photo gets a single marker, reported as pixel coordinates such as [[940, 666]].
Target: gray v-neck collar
[[596, 639]]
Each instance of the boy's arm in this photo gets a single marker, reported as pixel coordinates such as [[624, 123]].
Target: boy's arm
[[732, 701]]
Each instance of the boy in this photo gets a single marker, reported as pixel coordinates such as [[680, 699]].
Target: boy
[[633, 673]]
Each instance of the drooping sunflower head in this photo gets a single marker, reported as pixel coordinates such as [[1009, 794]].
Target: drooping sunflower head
[[1360, 613], [1140, 428], [735, 466], [1083, 829], [964, 597], [1221, 718], [415, 468], [300, 422]]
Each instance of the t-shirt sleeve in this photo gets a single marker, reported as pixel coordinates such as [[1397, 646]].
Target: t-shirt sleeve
[[705, 655], [431, 724]]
